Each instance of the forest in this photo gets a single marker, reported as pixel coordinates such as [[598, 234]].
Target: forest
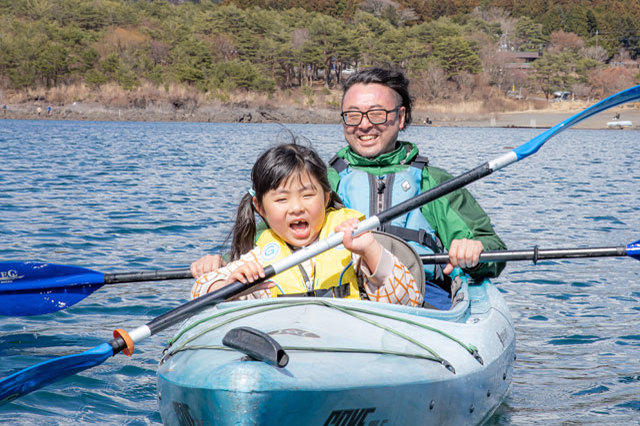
[[452, 50]]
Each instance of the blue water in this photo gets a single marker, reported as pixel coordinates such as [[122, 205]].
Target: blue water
[[119, 197]]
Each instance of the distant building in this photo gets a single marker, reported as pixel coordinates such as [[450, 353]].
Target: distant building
[[522, 60]]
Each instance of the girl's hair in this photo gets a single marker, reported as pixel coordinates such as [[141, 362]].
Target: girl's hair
[[271, 169]]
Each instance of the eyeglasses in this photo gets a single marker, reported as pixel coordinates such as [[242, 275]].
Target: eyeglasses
[[375, 116]]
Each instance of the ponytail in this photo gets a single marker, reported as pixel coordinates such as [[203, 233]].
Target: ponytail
[[335, 201], [244, 229]]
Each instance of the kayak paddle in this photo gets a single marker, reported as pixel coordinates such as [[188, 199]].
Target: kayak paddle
[[32, 288], [65, 287], [536, 254], [39, 375]]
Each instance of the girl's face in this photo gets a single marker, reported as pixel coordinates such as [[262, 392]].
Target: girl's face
[[296, 209]]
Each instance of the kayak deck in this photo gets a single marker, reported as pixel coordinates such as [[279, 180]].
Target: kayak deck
[[348, 360]]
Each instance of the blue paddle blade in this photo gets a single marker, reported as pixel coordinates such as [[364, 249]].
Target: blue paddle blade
[[39, 375], [32, 288], [531, 147], [633, 250]]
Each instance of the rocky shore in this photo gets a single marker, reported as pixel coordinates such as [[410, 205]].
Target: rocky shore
[[239, 113]]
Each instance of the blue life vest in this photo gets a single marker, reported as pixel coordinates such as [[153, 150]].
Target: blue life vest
[[387, 191]]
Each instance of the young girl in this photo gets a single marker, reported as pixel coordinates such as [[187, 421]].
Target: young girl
[[293, 196]]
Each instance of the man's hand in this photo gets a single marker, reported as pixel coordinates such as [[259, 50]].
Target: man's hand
[[464, 253], [206, 264]]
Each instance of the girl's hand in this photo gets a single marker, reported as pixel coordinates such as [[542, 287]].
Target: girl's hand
[[247, 273], [464, 253], [364, 244]]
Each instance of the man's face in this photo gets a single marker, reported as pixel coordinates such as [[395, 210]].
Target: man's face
[[371, 140]]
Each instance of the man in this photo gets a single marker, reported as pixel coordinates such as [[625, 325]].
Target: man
[[376, 171]]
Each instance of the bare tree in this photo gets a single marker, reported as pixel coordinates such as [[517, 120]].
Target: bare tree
[[599, 53], [502, 17], [559, 41], [160, 52], [622, 56], [582, 91], [607, 81], [494, 63], [224, 47], [299, 37], [401, 13], [431, 83], [465, 84]]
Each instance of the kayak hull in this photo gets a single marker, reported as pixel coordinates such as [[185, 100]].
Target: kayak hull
[[350, 363], [620, 124]]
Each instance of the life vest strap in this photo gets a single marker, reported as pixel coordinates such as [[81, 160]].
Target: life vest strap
[[419, 236], [340, 292], [338, 164]]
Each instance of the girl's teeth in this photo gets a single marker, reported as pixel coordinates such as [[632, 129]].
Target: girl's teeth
[[299, 225]]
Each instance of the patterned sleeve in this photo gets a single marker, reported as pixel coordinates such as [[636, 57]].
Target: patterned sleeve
[[207, 283], [391, 282]]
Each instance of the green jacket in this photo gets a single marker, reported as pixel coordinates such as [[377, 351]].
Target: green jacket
[[456, 215]]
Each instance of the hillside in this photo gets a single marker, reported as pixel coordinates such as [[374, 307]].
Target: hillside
[[186, 57]]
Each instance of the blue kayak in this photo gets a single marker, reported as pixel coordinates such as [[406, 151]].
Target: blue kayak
[[347, 362]]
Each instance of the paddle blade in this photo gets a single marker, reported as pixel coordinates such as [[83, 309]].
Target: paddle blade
[[633, 250], [32, 288], [39, 375], [531, 147]]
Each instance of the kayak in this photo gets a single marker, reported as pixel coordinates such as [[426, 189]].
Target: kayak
[[325, 361], [619, 124]]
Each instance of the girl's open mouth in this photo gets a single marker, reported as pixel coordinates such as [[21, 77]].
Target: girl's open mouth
[[300, 228]]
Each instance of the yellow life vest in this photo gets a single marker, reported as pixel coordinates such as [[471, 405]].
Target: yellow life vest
[[328, 265]]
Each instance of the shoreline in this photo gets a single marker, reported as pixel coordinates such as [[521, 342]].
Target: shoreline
[[300, 115]]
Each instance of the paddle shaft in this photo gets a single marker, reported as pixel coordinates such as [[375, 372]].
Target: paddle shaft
[[131, 277], [535, 254], [174, 316], [185, 310], [181, 312], [178, 314], [163, 321], [30, 379], [455, 183]]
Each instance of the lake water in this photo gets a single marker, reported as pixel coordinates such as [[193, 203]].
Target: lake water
[[119, 197]]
